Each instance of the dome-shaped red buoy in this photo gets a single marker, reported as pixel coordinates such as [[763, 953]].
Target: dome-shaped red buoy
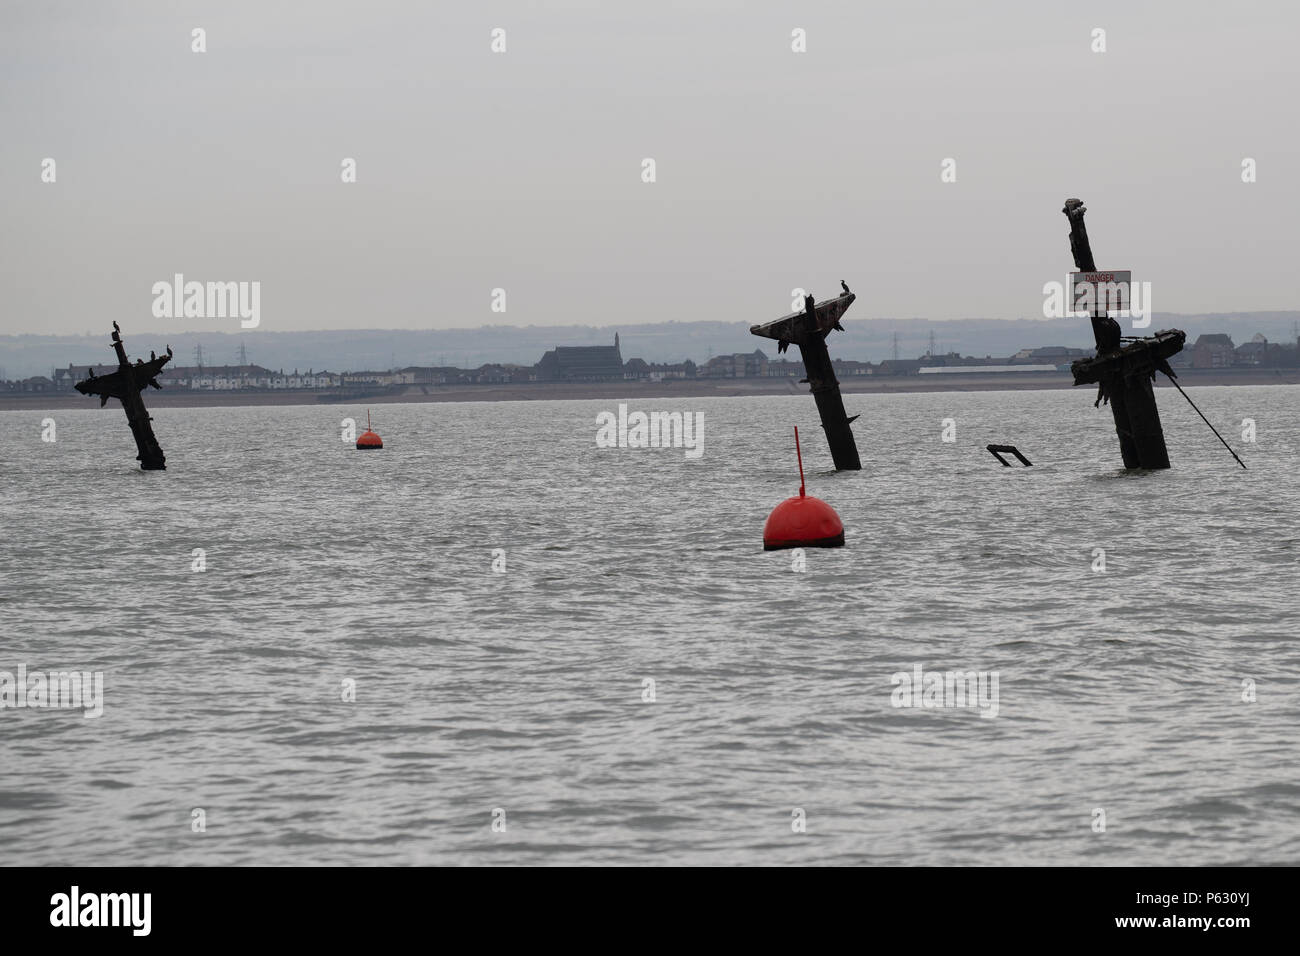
[[803, 522], [368, 440]]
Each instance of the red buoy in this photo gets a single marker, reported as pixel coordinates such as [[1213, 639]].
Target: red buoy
[[368, 440], [803, 522]]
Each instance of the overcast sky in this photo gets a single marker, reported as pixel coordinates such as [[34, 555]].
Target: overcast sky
[[523, 170]]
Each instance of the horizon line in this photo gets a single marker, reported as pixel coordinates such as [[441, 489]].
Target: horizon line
[[616, 327]]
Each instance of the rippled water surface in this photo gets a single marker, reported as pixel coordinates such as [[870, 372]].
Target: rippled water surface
[[522, 691]]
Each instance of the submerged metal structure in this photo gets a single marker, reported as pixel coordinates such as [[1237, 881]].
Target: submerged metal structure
[[999, 450], [1123, 372], [125, 385], [808, 330]]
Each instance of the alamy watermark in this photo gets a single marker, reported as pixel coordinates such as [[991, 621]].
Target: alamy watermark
[[129, 910], [65, 690], [655, 430], [208, 300], [1087, 293], [922, 688]]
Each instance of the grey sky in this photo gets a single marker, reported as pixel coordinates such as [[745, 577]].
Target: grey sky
[[522, 170]]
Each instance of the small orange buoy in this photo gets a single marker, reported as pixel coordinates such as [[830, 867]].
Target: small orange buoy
[[368, 440], [803, 522]]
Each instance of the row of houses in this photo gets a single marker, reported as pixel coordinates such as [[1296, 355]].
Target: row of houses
[[604, 363], [211, 377], [1215, 350], [236, 377]]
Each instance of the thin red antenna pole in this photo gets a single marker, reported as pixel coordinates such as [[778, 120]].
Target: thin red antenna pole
[[800, 454]]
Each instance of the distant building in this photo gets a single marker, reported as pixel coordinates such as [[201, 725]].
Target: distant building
[[666, 371], [216, 378], [899, 367], [736, 365], [63, 379], [939, 361], [495, 374], [1212, 350], [1050, 355], [581, 363], [430, 375], [1253, 352], [1018, 368], [851, 367], [785, 368], [369, 378]]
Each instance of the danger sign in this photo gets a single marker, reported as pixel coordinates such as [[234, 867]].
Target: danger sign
[[1095, 293]]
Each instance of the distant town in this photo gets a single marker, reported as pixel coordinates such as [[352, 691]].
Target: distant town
[[605, 363]]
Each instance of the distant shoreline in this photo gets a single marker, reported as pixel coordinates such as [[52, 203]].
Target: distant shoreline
[[629, 390]]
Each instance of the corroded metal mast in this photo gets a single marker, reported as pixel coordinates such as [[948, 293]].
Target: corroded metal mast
[[125, 385], [1123, 373], [808, 330]]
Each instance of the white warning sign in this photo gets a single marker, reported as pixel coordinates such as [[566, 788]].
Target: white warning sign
[[1095, 293]]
